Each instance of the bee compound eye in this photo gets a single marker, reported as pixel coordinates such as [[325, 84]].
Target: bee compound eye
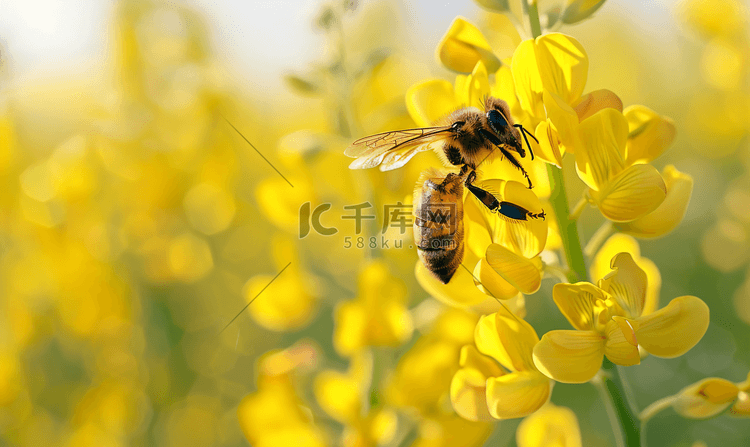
[[496, 118]]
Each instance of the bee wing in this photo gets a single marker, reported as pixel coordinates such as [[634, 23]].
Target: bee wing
[[391, 150]]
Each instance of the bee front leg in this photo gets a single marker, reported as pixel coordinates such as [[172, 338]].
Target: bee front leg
[[494, 140], [515, 163]]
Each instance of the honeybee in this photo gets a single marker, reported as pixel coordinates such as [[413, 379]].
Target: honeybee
[[465, 138]]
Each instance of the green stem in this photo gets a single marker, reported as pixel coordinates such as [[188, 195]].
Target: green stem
[[625, 423], [656, 407], [578, 209], [531, 10], [568, 228], [628, 421], [599, 381], [598, 238]]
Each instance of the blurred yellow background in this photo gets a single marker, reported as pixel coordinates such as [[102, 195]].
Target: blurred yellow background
[[135, 222]]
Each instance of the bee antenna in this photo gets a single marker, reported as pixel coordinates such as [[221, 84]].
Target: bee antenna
[[524, 132]]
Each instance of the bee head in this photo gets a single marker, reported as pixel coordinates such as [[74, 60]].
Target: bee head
[[499, 124]]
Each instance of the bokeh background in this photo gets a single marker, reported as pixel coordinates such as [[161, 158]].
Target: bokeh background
[[135, 222]]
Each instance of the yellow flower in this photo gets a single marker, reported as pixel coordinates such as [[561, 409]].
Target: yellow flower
[[741, 406], [342, 397], [649, 134], [549, 426], [500, 254], [609, 320], [463, 46], [377, 317], [340, 394], [669, 214], [481, 389], [275, 415], [549, 75], [715, 17], [290, 301], [423, 374], [430, 100], [706, 398], [621, 192], [451, 431], [619, 243]]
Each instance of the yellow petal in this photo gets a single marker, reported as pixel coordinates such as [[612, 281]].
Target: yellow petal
[[292, 307], [349, 334], [517, 338], [550, 426], [600, 144], [621, 347], [741, 407], [521, 272], [462, 90], [524, 237], [563, 117], [477, 86], [563, 65], [549, 148], [463, 46], [569, 356], [635, 192], [471, 358], [460, 290], [517, 395], [338, 395], [504, 88], [617, 243], [675, 329], [527, 80], [430, 100], [507, 339], [627, 284], [555, 62], [491, 283], [468, 393], [669, 214], [706, 398], [595, 101], [654, 284], [649, 134], [488, 341], [468, 386], [577, 303]]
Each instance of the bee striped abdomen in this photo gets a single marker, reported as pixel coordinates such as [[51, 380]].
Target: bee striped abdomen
[[438, 223]]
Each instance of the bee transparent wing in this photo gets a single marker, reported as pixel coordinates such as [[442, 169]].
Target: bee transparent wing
[[391, 150]]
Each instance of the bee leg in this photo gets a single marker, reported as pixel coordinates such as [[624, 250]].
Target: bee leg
[[525, 132], [485, 197], [493, 139], [470, 178], [515, 163], [517, 212]]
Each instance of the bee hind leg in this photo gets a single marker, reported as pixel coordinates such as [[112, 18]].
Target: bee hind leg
[[485, 197]]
